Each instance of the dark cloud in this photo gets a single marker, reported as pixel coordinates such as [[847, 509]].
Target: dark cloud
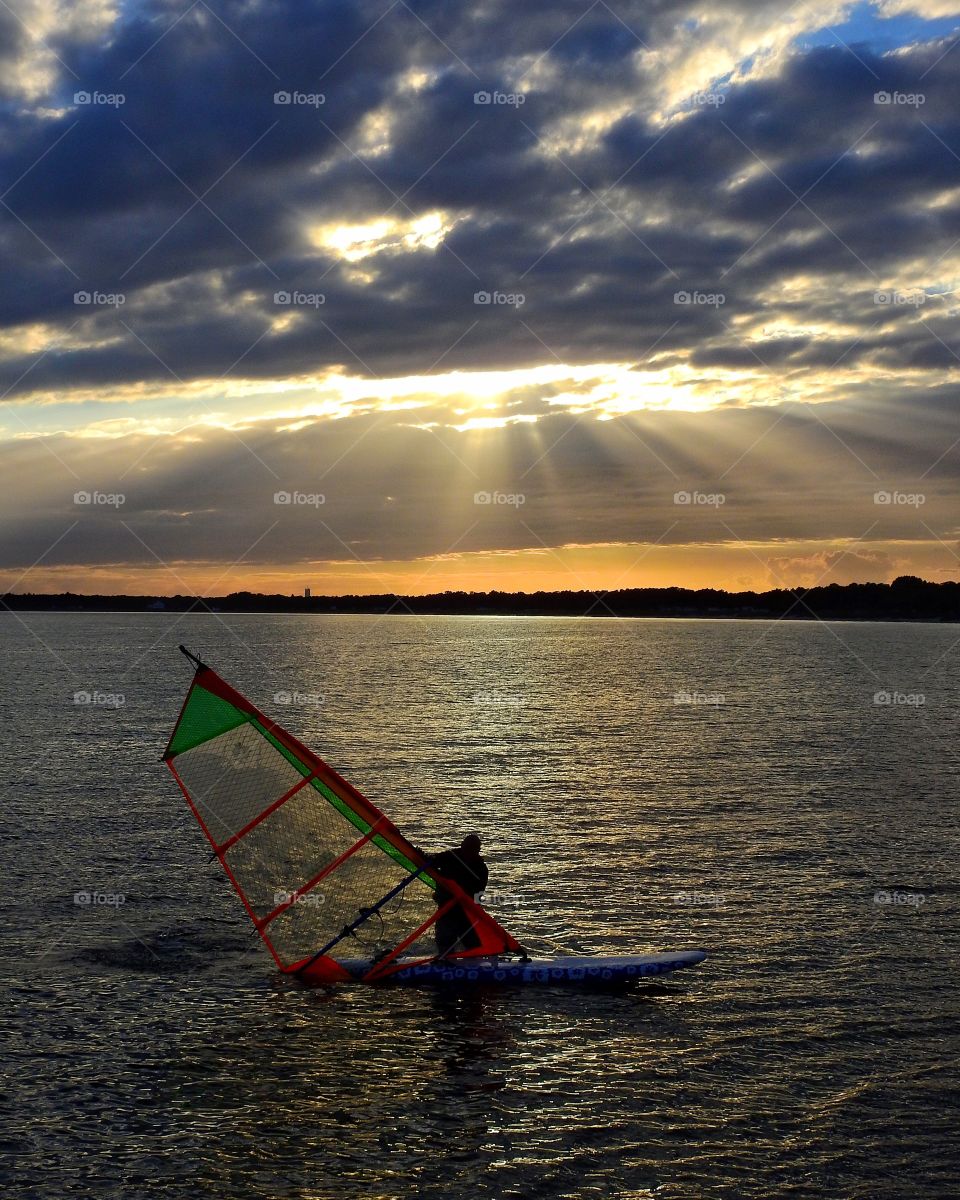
[[598, 238]]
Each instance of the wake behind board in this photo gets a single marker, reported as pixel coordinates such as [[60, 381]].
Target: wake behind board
[[564, 970], [334, 889]]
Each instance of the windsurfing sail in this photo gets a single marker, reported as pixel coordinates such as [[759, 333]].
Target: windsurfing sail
[[324, 875]]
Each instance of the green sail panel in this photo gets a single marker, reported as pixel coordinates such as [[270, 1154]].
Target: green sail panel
[[204, 717]]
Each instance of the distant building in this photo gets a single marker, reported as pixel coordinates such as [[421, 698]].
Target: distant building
[[306, 593]]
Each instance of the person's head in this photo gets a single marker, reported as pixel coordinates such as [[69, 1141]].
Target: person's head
[[470, 846]]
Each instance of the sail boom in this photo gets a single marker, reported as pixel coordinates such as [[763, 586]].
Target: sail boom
[[365, 915]]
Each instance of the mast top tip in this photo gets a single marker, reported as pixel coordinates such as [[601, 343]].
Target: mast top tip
[[193, 657]]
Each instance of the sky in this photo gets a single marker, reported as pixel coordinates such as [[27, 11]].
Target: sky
[[414, 296]]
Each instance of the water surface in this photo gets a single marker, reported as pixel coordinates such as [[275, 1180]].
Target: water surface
[[640, 785]]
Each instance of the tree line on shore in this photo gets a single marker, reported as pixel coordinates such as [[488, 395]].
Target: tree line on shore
[[906, 599]]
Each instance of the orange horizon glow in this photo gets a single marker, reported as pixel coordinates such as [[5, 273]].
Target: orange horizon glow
[[725, 567]]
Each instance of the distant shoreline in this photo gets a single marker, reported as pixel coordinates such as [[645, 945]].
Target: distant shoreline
[[906, 599]]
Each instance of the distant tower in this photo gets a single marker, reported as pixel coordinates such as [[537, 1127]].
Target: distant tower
[[306, 593]]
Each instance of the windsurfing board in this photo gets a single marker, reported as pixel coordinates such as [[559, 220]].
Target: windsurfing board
[[567, 969]]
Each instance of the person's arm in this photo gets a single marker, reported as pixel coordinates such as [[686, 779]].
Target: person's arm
[[441, 867], [441, 863]]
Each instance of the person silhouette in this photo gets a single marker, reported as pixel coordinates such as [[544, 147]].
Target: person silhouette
[[454, 930]]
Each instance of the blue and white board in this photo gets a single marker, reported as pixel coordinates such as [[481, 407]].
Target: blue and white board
[[569, 969]]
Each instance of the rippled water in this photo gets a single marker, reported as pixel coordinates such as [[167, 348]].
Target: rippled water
[[776, 816]]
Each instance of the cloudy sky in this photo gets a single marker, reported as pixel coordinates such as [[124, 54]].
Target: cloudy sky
[[374, 294]]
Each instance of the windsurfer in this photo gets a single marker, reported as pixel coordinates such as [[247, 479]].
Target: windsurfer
[[454, 930]]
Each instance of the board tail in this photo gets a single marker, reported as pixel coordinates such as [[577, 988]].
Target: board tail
[[321, 871]]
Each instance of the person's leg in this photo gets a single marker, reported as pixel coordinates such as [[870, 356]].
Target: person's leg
[[455, 932], [445, 932], [467, 938], [462, 934]]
